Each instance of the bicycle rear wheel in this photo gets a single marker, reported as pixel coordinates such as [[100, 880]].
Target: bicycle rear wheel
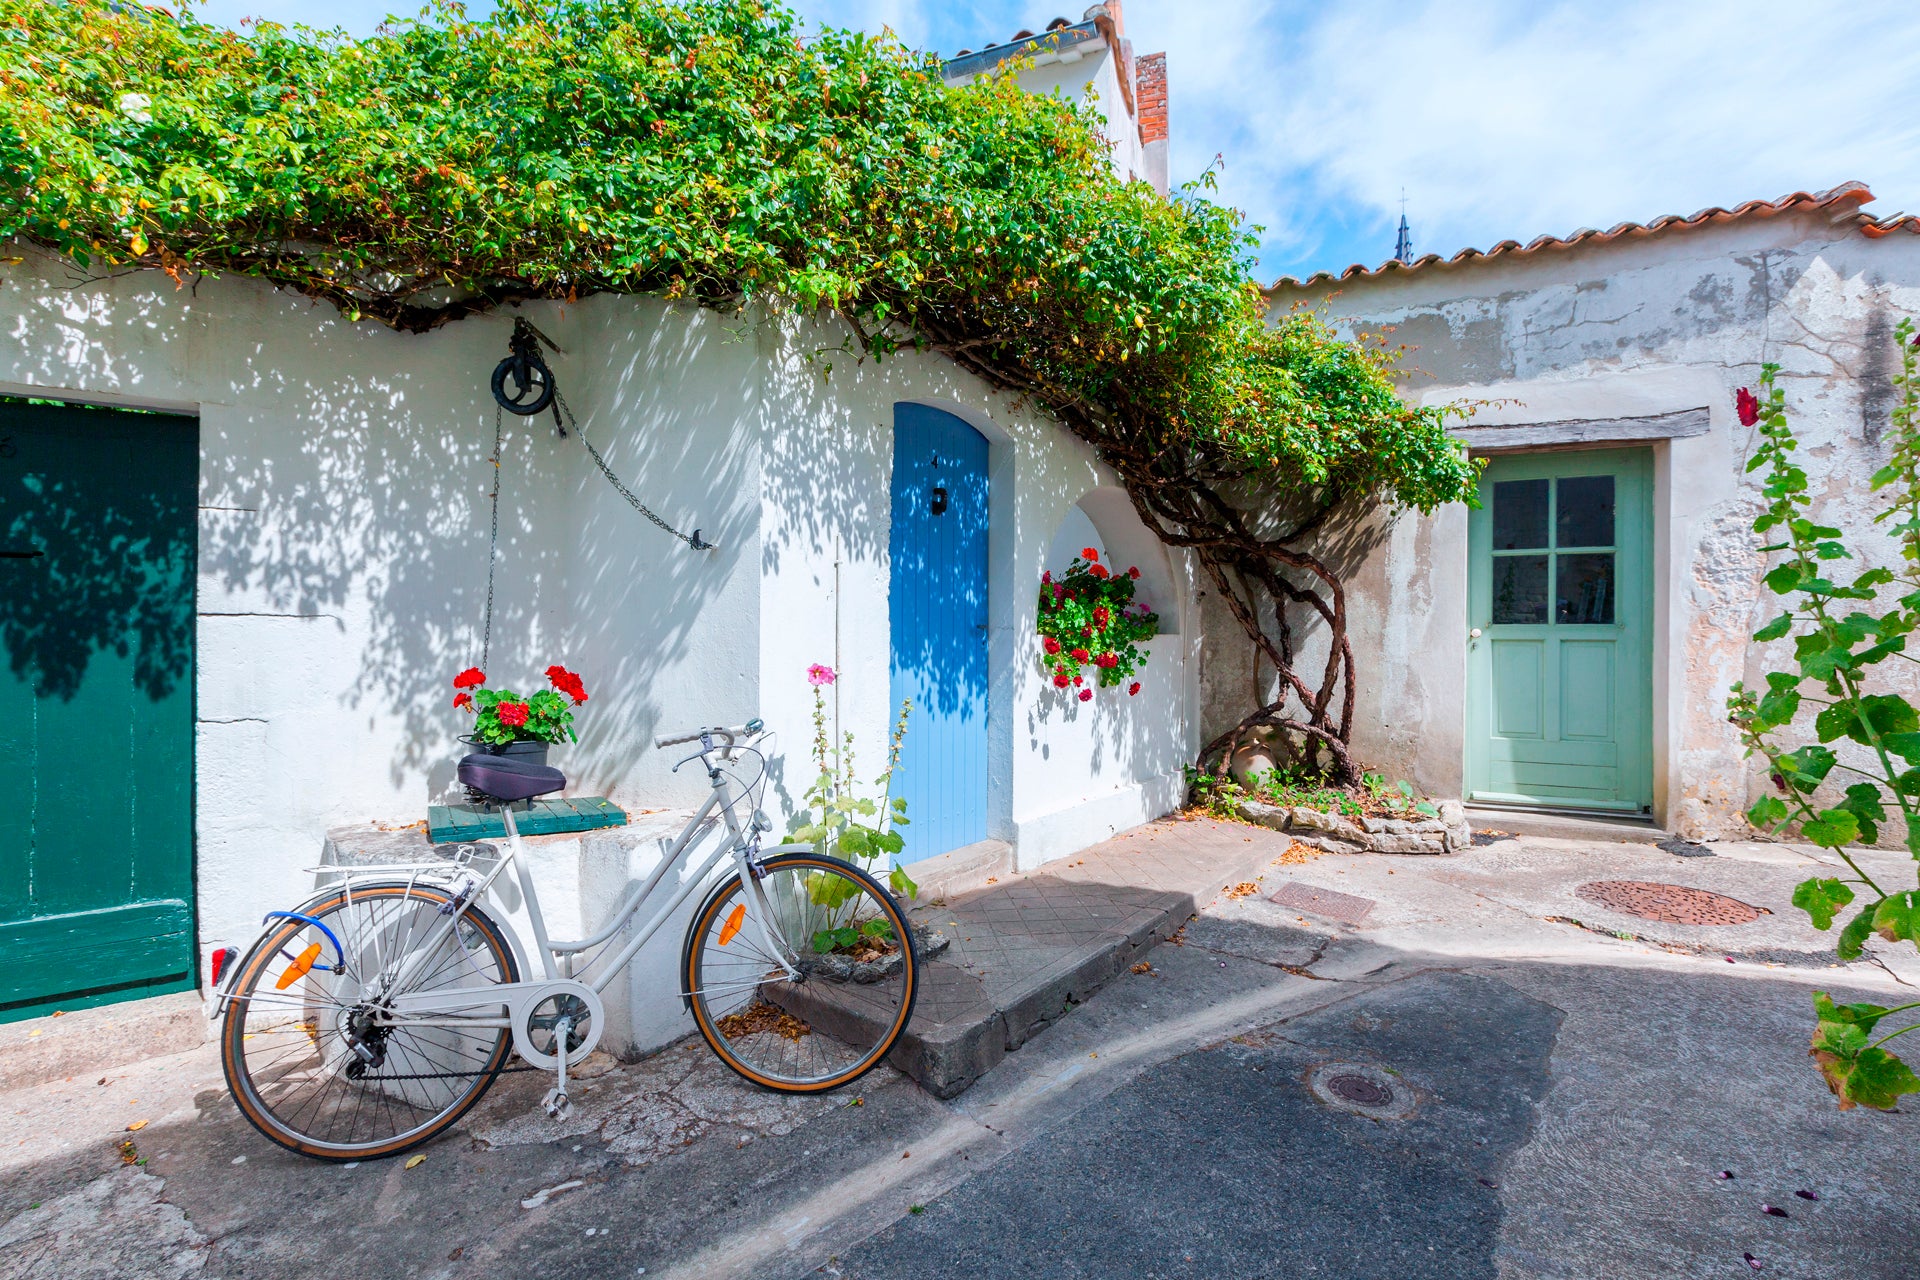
[[858, 974], [313, 1063]]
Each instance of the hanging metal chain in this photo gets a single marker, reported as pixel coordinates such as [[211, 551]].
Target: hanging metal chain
[[693, 540], [493, 544]]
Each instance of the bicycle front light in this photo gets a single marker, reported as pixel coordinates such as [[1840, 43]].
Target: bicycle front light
[[761, 822]]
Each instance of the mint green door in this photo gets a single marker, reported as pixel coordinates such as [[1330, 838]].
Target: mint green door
[[1559, 661], [97, 543]]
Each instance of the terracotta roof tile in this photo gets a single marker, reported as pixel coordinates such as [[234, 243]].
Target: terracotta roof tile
[[1845, 198]]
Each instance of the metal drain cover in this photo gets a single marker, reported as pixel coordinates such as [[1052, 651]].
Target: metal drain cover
[[1362, 1089], [1669, 903]]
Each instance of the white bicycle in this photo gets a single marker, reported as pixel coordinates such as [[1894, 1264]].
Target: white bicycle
[[372, 1017]]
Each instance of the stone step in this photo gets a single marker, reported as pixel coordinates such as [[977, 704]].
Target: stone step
[[101, 1039], [1028, 949]]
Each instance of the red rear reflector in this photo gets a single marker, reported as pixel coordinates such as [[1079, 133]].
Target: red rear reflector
[[220, 957]]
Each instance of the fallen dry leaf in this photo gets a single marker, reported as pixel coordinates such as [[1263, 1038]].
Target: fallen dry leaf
[[1142, 967], [415, 1161], [136, 1126], [1245, 889]]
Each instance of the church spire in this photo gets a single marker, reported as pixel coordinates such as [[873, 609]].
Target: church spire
[[1403, 243]]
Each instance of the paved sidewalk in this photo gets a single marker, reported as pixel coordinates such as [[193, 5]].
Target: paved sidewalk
[[1027, 950]]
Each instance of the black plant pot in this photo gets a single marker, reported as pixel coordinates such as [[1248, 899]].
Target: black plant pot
[[530, 750]]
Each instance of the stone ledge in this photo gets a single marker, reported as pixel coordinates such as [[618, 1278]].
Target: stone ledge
[[1335, 833], [100, 1039]]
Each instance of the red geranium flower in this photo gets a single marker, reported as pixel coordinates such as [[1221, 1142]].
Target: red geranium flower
[[1061, 679], [1086, 695], [1079, 679], [568, 683], [512, 714], [1052, 645], [1079, 655], [1047, 576], [1134, 572], [1090, 555], [1100, 615], [1098, 570], [470, 678], [1748, 407], [463, 700], [1133, 689]]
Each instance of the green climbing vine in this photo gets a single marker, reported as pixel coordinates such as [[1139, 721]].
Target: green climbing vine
[[705, 150], [1867, 736]]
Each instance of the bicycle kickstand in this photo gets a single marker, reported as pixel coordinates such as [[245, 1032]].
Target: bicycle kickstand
[[558, 1106]]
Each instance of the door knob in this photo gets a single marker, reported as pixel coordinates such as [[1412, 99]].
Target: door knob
[[1474, 634]]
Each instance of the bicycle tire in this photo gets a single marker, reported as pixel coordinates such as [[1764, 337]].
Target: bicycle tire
[[709, 1023], [235, 1054]]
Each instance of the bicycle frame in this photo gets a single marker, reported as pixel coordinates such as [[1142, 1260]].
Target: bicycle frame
[[557, 958]]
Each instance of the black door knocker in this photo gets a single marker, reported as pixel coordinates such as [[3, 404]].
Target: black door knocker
[[939, 499], [522, 383]]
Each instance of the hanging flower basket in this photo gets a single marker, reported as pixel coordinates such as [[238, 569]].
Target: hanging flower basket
[[506, 724], [1089, 618]]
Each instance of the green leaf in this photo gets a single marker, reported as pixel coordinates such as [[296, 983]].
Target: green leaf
[[1864, 1016], [1833, 829], [1904, 745], [1852, 941], [1783, 579], [1767, 812], [1775, 629], [902, 884], [1822, 900], [1863, 802], [1897, 917], [1834, 721]]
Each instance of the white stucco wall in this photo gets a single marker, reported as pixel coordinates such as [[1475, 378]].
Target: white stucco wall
[[1638, 327], [343, 523]]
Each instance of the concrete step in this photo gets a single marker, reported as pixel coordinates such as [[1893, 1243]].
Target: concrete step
[[1558, 825], [1028, 949], [101, 1039]]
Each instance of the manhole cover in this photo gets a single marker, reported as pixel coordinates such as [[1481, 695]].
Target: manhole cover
[[1669, 903], [1330, 903], [1356, 1088], [1362, 1089]]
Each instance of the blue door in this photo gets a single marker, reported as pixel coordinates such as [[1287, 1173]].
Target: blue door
[[938, 591]]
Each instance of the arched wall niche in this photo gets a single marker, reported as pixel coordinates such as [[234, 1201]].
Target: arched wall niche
[[1104, 518]]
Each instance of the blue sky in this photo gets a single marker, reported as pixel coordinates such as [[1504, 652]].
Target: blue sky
[[1499, 120]]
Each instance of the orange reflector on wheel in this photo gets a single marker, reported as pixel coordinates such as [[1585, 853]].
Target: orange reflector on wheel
[[298, 968], [732, 926]]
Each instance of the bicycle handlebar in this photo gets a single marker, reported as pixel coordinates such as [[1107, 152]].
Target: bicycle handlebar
[[747, 730]]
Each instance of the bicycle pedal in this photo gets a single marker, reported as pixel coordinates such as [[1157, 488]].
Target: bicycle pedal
[[557, 1105]]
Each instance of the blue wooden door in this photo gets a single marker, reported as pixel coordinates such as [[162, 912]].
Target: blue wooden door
[[938, 593]]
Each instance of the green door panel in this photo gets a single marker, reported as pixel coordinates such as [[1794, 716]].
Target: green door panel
[[1560, 675], [97, 558]]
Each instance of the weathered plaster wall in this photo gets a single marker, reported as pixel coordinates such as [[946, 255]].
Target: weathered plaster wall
[[343, 546], [1632, 328]]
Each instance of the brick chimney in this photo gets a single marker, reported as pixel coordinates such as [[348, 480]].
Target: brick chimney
[[1150, 89]]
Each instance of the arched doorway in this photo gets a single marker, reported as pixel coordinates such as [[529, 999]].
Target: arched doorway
[[938, 615]]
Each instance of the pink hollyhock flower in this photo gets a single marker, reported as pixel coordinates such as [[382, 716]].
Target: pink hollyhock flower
[[1748, 407], [818, 675]]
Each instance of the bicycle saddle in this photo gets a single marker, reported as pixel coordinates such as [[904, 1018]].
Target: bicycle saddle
[[508, 780]]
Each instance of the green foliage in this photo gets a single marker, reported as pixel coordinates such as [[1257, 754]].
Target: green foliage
[[1843, 631], [1089, 617], [841, 822], [559, 148], [1291, 789]]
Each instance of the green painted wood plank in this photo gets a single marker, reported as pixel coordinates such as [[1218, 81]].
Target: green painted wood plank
[[448, 824], [82, 950]]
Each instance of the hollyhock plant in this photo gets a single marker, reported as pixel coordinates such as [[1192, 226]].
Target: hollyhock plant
[[501, 716], [1088, 617], [1747, 407], [840, 821]]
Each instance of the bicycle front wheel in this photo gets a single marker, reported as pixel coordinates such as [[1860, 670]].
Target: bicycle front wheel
[[315, 1061], [857, 973]]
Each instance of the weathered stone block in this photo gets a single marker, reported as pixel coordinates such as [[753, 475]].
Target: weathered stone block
[[1330, 823], [1406, 844], [1267, 815]]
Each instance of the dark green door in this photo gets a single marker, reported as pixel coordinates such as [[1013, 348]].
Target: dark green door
[[97, 540]]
